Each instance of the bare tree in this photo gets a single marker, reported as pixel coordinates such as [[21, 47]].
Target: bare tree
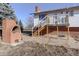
[[21, 26], [30, 23]]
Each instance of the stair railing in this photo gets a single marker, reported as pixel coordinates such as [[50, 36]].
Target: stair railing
[[41, 23]]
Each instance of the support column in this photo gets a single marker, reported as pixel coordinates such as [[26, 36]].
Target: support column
[[38, 29], [68, 33], [47, 28], [57, 31], [32, 31]]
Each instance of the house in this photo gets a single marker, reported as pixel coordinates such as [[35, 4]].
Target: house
[[58, 21]]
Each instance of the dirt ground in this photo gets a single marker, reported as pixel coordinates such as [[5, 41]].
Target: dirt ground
[[31, 48], [36, 49]]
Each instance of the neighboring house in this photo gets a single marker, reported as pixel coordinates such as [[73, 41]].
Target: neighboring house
[[63, 18]]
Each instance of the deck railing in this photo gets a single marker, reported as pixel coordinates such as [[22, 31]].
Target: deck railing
[[46, 21], [41, 24]]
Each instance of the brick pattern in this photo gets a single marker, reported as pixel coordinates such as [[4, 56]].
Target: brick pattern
[[8, 34]]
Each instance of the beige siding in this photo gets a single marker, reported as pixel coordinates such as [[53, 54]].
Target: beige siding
[[36, 20], [74, 21]]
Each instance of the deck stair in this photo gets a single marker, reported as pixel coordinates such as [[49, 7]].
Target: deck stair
[[41, 26]]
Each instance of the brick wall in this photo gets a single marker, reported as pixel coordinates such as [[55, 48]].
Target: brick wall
[[8, 35]]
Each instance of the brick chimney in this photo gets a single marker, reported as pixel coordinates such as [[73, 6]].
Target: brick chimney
[[37, 9]]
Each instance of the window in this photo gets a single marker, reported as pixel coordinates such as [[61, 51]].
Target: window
[[41, 16], [55, 16], [66, 12], [61, 12], [62, 20], [66, 20], [71, 13], [56, 22]]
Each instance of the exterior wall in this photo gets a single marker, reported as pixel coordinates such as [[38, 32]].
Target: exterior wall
[[51, 20], [36, 20], [8, 36], [73, 20], [76, 11]]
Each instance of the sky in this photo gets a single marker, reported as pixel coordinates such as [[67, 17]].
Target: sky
[[23, 10]]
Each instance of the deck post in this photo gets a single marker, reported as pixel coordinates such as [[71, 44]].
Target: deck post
[[38, 32], [57, 28], [47, 29], [57, 31], [47, 25], [68, 33], [38, 28], [32, 31], [68, 27]]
